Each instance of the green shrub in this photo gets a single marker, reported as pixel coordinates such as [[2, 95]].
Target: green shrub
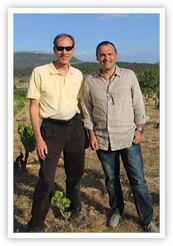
[[62, 203]]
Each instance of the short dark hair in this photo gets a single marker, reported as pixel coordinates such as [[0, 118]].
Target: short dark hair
[[105, 43], [64, 35]]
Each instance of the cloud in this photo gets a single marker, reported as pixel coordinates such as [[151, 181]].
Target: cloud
[[140, 16], [106, 17], [111, 16]]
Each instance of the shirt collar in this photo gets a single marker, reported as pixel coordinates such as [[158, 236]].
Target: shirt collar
[[54, 71], [117, 72]]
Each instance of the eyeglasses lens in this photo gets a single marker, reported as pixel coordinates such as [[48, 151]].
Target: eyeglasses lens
[[61, 48]]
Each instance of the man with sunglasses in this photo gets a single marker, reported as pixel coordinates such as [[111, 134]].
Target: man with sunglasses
[[55, 91], [114, 115]]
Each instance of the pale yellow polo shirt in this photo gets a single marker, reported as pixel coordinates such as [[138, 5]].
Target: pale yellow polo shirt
[[58, 94]]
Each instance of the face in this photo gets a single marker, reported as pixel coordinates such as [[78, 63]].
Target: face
[[106, 56], [64, 56]]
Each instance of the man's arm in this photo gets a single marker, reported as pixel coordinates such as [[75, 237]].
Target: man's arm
[[139, 110], [34, 114], [80, 108]]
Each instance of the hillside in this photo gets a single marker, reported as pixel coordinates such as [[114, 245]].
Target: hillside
[[31, 59]]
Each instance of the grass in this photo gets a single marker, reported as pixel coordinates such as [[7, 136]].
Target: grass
[[95, 207]]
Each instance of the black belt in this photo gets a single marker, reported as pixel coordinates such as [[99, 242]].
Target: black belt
[[63, 122]]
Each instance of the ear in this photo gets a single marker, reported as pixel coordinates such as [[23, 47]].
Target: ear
[[116, 56], [54, 49], [73, 50]]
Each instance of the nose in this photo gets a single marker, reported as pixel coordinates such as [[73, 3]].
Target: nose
[[106, 57], [64, 51]]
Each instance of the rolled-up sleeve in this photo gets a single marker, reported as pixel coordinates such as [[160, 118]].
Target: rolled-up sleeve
[[138, 104]]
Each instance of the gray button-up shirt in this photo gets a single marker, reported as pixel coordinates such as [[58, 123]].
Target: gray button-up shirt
[[113, 109]]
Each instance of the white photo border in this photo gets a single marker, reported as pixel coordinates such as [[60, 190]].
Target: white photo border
[[11, 12]]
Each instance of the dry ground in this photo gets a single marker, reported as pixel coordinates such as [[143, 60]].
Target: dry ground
[[95, 207]]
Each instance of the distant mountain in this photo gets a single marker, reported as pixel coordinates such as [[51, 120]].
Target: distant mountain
[[35, 58]]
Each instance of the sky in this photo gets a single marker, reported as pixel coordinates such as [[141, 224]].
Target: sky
[[136, 36]]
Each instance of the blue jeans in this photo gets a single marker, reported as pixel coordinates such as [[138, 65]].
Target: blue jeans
[[133, 164]]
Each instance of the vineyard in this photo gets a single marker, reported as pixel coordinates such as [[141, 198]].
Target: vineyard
[[147, 74], [95, 207]]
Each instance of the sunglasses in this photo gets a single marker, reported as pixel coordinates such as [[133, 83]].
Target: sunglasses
[[61, 48]]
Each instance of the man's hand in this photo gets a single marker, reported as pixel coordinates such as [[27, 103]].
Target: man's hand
[[42, 150], [93, 140], [94, 143], [137, 137]]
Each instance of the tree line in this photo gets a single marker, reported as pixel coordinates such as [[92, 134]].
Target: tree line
[[89, 67], [147, 74]]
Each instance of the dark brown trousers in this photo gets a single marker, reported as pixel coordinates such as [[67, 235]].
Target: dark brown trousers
[[69, 138]]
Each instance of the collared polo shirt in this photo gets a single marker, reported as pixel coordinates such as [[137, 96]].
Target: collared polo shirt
[[113, 109], [57, 94]]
